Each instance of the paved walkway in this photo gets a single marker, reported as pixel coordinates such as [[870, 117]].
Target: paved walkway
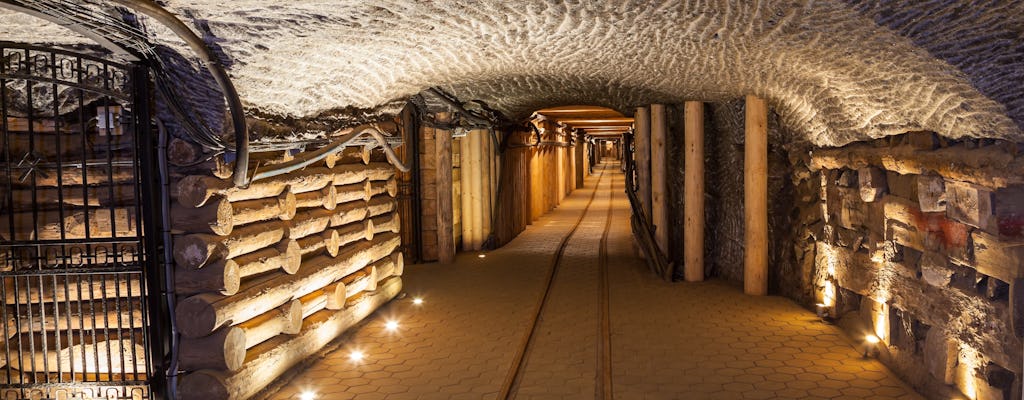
[[669, 341]]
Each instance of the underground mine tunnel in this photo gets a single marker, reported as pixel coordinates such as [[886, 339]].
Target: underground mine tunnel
[[534, 199]]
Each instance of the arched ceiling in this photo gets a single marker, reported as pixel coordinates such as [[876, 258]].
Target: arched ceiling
[[835, 71]]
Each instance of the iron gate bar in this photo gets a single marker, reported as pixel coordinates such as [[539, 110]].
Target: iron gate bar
[[47, 276]]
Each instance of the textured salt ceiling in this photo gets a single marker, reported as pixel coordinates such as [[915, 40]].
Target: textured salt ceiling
[[835, 71]]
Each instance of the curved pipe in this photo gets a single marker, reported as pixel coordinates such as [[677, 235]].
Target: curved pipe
[[307, 159], [198, 46]]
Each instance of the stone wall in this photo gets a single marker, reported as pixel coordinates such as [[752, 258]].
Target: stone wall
[[723, 130], [919, 240]]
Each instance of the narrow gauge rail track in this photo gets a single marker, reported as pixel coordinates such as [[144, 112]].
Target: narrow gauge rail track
[[603, 376]]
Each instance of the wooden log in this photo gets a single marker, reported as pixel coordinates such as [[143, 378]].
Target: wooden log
[[215, 166], [755, 202], [200, 315], [466, 197], [364, 280], [195, 190], [286, 256], [386, 223], [329, 240], [99, 320], [348, 213], [27, 290], [443, 187], [94, 196], [309, 222], [488, 186], [693, 192], [215, 217], [223, 350], [642, 139], [75, 176], [325, 198], [125, 356], [374, 171], [283, 207], [270, 359], [659, 168], [353, 192], [390, 266], [180, 152], [221, 276], [286, 320], [354, 232], [331, 297], [380, 205], [476, 179], [48, 224], [72, 148], [193, 251]]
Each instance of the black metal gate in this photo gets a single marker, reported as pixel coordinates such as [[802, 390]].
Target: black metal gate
[[76, 249]]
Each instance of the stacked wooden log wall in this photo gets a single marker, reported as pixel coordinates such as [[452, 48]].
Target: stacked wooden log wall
[[269, 274], [921, 240]]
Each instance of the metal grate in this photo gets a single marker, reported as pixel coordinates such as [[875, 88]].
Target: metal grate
[[75, 319]]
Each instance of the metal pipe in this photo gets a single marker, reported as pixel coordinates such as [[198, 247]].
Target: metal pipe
[[309, 158], [165, 214], [458, 107], [218, 72]]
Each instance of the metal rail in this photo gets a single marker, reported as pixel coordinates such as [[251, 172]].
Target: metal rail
[[515, 373]]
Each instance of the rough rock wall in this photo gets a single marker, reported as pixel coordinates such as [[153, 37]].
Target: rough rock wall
[[836, 71], [723, 130], [918, 240]]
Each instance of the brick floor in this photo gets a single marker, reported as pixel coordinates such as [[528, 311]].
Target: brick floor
[[669, 340]]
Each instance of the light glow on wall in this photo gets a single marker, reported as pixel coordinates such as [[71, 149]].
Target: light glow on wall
[[881, 319]]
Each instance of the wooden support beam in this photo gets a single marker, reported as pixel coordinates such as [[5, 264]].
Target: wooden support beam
[[755, 197], [642, 137], [659, 169], [467, 202], [443, 171], [693, 192], [486, 172], [580, 161], [476, 194]]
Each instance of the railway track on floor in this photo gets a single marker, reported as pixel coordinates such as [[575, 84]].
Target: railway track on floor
[[603, 376]]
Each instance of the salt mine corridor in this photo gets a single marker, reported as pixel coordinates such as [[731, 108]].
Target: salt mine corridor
[[415, 199]]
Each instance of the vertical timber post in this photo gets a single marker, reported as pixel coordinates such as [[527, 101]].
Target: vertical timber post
[[445, 213], [580, 156], [755, 197], [693, 192], [642, 119], [467, 200], [659, 212]]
